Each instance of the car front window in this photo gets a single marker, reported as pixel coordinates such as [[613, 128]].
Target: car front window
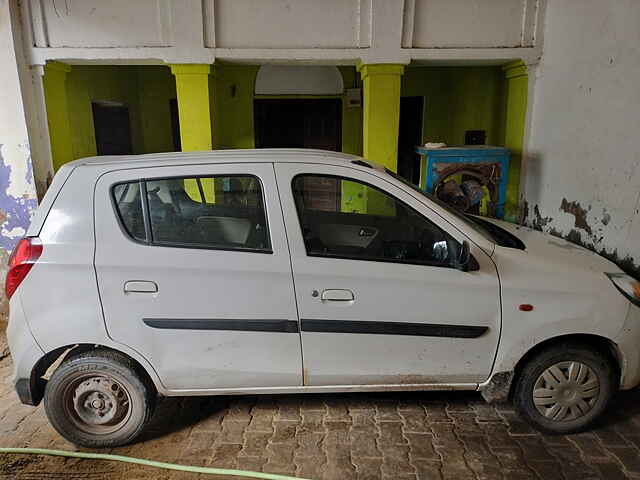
[[470, 222]]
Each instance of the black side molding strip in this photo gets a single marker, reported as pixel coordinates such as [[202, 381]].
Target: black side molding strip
[[282, 326], [393, 328]]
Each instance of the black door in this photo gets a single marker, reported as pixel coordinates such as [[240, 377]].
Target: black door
[[298, 123], [303, 123], [112, 128], [409, 137]]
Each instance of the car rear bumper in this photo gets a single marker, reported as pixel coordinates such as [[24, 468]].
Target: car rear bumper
[[25, 353], [628, 342]]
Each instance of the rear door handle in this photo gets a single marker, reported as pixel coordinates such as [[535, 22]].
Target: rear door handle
[[140, 286], [337, 295]]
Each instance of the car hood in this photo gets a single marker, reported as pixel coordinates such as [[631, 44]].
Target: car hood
[[554, 251]]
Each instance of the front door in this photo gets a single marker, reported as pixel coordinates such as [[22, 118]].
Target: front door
[[194, 273], [378, 298]]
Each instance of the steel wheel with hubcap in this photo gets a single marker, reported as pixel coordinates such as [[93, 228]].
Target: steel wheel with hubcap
[[98, 399], [565, 388]]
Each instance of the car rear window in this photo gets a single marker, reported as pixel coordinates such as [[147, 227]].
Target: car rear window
[[219, 212]]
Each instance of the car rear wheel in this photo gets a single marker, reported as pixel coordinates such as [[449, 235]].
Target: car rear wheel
[[564, 389], [98, 400]]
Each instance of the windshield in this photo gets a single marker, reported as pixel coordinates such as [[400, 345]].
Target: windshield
[[470, 221]]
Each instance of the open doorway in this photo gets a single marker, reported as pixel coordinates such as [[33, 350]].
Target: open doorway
[[298, 123], [410, 135], [112, 128], [303, 123]]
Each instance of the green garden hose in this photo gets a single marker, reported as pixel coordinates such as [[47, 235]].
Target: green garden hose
[[148, 463]]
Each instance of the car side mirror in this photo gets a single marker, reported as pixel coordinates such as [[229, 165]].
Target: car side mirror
[[465, 262]]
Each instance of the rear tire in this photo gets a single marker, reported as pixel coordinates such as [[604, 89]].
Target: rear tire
[[98, 400], [565, 388]]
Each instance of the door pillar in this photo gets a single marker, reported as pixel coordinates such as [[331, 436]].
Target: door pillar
[[194, 109], [55, 94], [517, 83], [381, 95]]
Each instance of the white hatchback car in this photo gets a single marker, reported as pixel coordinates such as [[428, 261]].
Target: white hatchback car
[[273, 271]]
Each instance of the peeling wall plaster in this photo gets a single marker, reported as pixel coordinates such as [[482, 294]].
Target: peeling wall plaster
[[583, 164], [17, 190]]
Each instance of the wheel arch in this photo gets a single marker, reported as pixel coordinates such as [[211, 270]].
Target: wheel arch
[[500, 386], [55, 357]]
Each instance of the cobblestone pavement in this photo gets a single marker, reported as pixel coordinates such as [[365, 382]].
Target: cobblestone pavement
[[360, 436]]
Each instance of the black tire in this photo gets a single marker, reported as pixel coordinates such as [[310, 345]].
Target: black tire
[[87, 386], [600, 366]]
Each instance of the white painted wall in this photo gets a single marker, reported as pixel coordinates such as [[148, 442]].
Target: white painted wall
[[585, 125], [299, 80], [281, 31], [478, 23]]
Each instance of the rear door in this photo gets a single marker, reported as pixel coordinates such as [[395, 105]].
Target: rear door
[[378, 297], [194, 273]]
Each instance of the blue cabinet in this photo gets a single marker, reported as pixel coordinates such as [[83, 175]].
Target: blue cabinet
[[437, 163]]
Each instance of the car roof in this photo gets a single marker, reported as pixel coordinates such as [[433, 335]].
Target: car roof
[[275, 155]]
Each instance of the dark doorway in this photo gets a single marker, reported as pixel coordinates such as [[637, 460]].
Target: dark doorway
[[112, 128], [409, 137], [303, 123], [298, 123], [175, 124]]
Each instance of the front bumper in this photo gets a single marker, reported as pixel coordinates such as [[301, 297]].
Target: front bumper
[[25, 353], [628, 341]]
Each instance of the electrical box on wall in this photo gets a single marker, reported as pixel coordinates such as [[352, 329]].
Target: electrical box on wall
[[353, 97]]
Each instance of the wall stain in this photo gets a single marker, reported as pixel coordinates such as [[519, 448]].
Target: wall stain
[[627, 264], [580, 214], [538, 220]]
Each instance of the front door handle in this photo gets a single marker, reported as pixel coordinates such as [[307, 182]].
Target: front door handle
[[140, 286], [337, 295]]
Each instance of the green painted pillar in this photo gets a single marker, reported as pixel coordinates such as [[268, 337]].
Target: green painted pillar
[[516, 102], [381, 116], [55, 96], [194, 109]]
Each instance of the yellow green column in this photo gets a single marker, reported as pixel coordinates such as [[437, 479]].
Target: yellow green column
[[55, 95], [381, 116], [194, 109], [517, 83]]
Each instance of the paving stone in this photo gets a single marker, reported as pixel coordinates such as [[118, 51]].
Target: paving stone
[[534, 449], [517, 426], [255, 444], [391, 433], [629, 457], [395, 460], [609, 471], [367, 468], [546, 470], [610, 438], [337, 432], [415, 421], [312, 422], [427, 469], [363, 441], [387, 411], [421, 446], [590, 446], [284, 431]]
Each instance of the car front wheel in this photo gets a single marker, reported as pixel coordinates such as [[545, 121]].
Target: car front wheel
[[565, 388], [98, 400]]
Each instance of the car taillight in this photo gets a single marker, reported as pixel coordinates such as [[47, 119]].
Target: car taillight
[[24, 255]]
